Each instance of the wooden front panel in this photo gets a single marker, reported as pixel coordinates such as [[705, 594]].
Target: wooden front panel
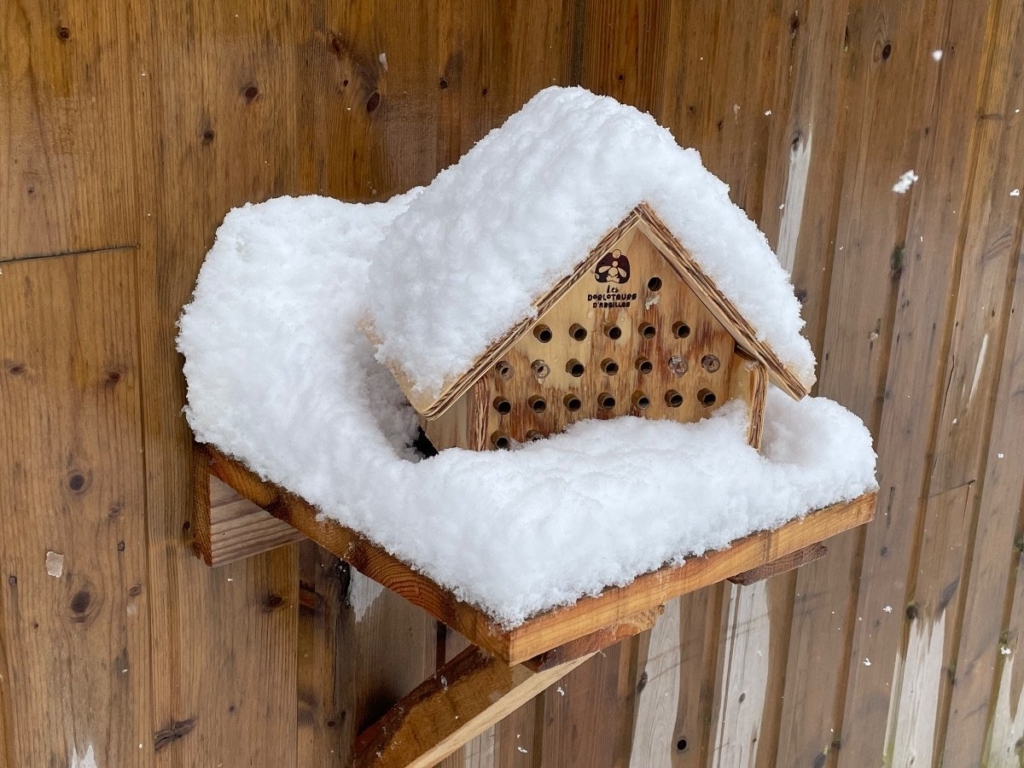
[[630, 338]]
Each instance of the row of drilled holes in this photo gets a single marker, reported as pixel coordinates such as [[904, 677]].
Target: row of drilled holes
[[575, 368], [544, 334], [606, 401]]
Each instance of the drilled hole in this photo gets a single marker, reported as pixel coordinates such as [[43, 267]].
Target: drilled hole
[[678, 365], [502, 406], [641, 401], [681, 330], [654, 284], [500, 440], [706, 397], [648, 331], [609, 366], [573, 403], [533, 435], [613, 332], [578, 332], [644, 365], [681, 745], [540, 369], [605, 400], [575, 368], [673, 399], [543, 334], [710, 363], [504, 370], [538, 404]]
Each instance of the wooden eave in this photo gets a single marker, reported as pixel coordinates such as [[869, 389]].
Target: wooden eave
[[643, 216]]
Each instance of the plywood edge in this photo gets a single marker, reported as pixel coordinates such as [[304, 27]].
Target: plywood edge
[[719, 305]]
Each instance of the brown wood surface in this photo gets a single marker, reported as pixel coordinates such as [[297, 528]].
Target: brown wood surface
[[133, 127]]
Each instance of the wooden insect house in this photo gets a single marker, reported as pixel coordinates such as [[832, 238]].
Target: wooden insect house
[[636, 326]]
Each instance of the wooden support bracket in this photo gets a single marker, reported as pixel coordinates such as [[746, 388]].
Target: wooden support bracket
[[782, 565]]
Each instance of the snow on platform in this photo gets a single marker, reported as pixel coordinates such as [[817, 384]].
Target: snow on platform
[[280, 377]]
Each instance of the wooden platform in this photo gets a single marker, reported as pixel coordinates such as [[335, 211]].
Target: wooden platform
[[544, 632]]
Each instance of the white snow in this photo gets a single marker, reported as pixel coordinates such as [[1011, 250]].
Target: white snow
[[280, 377], [937, 54], [905, 182], [489, 235], [1015, 193]]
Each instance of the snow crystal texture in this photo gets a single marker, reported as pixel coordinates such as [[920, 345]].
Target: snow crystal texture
[[466, 259], [280, 377]]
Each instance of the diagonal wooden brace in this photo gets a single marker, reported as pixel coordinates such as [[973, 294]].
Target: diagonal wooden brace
[[471, 693]]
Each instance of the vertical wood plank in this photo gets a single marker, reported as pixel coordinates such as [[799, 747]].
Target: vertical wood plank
[[654, 738], [72, 516], [323, 737], [65, 129], [914, 387], [216, 129]]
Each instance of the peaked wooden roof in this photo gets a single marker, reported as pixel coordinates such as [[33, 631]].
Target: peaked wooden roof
[[644, 217]]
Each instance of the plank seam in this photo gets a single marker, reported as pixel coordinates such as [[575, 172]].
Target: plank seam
[[61, 254]]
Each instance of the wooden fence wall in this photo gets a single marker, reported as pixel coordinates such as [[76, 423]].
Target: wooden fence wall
[[128, 129]]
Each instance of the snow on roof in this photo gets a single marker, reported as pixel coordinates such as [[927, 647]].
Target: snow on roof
[[280, 377], [468, 257]]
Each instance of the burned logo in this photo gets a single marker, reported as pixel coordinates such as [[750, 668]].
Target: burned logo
[[612, 268]]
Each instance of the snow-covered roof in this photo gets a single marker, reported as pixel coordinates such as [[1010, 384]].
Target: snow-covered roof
[[474, 251]]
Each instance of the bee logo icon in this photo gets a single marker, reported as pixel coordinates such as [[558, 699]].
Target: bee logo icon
[[612, 268]]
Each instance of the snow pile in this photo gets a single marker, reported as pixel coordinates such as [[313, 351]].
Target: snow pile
[[280, 377], [467, 258]]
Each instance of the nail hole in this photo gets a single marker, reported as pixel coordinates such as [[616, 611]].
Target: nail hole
[[681, 745], [609, 366], [572, 403], [578, 332], [673, 399], [63, 33], [538, 404], [443, 83], [16, 370], [644, 365], [502, 406], [208, 136], [647, 330], [543, 334], [504, 370], [613, 332], [575, 368], [654, 284], [887, 51], [251, 92], [76, 482], [681, 330], [710, 363], [706, 397]]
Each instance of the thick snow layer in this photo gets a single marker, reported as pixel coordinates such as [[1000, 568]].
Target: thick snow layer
[[280, 377], [467, 258]]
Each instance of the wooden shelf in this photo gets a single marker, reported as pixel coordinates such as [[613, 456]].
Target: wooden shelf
[[239, 515], [544, 632]]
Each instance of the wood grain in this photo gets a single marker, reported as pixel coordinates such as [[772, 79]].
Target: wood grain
[[216, 128], [76, 645], [68, 180]]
